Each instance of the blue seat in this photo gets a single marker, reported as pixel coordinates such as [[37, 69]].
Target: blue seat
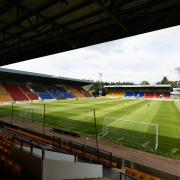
[[140, 95], [44, 95], [68, 95], [129, 94]]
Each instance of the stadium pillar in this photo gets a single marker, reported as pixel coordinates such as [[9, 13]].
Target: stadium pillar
[[97, 146]]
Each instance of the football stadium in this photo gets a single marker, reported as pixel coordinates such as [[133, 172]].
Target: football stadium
[[52, 127]]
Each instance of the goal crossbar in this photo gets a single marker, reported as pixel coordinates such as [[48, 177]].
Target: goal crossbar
[[129, 121]]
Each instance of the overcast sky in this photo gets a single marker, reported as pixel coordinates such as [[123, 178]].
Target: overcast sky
[[148, 57]]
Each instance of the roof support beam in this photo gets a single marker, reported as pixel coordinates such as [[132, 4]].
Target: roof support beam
[[54, 29], [29, 14], [55, 34], [46, 20], [112, 14], [9, 5], [34, 33]]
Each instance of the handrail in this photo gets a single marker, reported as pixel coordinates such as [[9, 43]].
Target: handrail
[[92, 153], [123, 176]]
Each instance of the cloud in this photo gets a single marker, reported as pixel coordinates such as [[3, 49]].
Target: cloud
[[148, 56]]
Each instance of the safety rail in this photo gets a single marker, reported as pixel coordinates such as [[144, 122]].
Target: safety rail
[[84, 151], [22, 140], [124, 176], [90, 153]]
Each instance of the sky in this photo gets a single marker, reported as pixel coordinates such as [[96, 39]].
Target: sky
[[147, 56]]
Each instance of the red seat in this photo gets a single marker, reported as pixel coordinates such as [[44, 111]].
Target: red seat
[[31, 95], [149, 95], [16, 93], [166, 95]]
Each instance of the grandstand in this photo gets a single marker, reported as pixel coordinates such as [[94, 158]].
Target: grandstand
[[139, 91], [41, 92], [19, 146], [33, 87]]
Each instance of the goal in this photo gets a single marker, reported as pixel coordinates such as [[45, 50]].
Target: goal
[[30, 111], [131, 132]]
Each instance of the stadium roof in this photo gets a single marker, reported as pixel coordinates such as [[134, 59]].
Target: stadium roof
[[23, 76], [35, 28], [139, 86], [176, 89]]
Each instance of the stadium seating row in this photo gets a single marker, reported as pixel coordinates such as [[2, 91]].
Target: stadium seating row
[[4, 96], [15, 169], [116, 94], [16, 93], [149, 95], [42, 92], [65, 147], [132, 94], [86, 94], [76, 92], [6, 162], [140, 175], [13, 92], [31, 95]]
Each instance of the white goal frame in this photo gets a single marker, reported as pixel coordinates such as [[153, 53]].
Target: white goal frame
[[106, 124]]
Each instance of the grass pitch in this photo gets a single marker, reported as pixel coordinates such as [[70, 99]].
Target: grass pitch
[[114, 115]]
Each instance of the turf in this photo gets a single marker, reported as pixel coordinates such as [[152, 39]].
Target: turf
[[78, 115]]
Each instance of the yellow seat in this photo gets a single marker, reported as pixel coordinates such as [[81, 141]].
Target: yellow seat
[[4, 96], [76, 92]]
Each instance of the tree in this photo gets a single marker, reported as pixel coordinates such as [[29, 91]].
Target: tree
[[144, 83], [173, 84], [95, 89], [165, 80]]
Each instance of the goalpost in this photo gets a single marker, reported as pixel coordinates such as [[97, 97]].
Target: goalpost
[[130, 131]]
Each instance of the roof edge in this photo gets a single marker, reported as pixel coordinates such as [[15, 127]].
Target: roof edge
[[123, 86], [14, 71]]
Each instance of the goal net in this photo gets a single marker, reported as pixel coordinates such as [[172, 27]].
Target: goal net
[[32, 112], [138, 133]]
